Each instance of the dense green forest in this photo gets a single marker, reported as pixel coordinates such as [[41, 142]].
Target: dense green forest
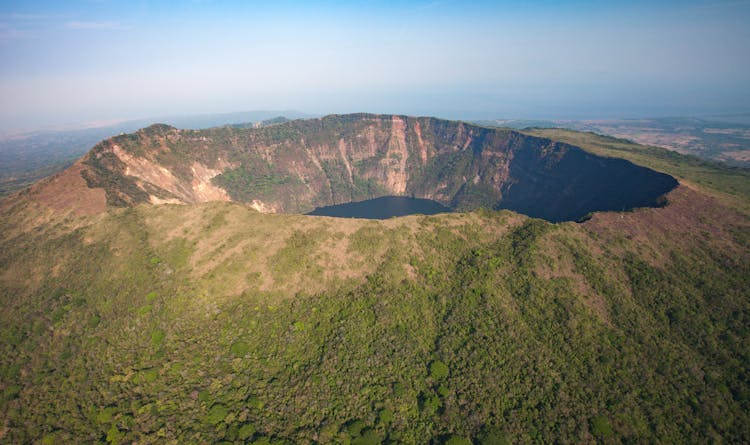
[[212, 323]]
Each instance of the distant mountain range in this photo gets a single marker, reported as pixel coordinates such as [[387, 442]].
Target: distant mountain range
[[28, 157]]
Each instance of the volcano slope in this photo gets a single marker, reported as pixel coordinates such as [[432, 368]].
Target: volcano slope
[[214, 323]]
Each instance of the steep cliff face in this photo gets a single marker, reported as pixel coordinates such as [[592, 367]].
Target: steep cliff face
[[299, 165]]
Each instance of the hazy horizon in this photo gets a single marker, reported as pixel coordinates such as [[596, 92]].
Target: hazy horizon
[[85, 61]]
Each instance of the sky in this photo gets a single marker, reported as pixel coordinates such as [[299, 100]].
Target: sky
[[82, 61]]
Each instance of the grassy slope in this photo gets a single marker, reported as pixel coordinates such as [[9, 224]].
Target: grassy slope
[[213, 323]]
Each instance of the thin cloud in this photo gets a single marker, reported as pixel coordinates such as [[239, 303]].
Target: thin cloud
[[430, 5], [98, 25], [721, 5], [30, 19], [8, 32], [21, 16], [21, 25]]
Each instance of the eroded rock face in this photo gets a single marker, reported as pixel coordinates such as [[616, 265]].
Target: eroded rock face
[[299, 165], [396, 158]]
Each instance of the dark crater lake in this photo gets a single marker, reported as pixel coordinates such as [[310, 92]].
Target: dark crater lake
[[570, 190], [382, 208]]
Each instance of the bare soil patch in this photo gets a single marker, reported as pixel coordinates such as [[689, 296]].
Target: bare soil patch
[[690, 215], [69, 191]]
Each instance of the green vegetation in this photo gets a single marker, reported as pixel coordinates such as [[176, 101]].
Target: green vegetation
[[217, 414], [492, 436], [213, 323], [457, 440], [245, 184], [453, 328], [600, 427], [438, 370], [157, 337], [239, 349]]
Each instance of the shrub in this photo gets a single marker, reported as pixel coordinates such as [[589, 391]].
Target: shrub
[[457, 440], [385, 416], [149, 375], [11, 392], [94, 321], [239, 348], [355, 427], [246, 431], [429, 403], [438, 370], [443, 391], [399, 390], [217, 414], [114, 435], [601, 427], [368, 437], [204, 396], [49, 439], [106, 414], [492, 436], [157, 337]]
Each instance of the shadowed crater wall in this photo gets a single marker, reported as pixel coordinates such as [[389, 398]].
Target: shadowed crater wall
[[580, 183]]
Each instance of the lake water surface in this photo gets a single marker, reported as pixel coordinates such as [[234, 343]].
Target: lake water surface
[[382, 208]]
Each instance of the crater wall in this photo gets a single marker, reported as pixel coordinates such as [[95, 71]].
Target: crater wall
[[296, 166]]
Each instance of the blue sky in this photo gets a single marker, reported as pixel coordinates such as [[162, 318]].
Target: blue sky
[[65, 62]]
